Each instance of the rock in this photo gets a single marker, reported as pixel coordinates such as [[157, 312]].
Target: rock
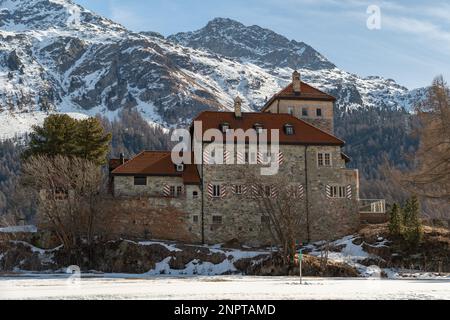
[[373, 261]]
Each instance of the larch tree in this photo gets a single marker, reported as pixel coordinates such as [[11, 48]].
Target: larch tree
[[430, 177]]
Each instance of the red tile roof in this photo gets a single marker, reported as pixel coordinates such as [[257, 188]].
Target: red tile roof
[[304, 133], [307, 93], [157, 163]]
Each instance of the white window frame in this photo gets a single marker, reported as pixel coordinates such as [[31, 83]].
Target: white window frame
[[238, 189], [307, 112], [225, 128], [289, 130], [173, 191], [321, 112], [291, 110], [324, 155], [267, 157], [217, 191], [217, 216], [338, 191]]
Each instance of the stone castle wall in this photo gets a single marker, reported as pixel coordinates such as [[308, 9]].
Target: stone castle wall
[[147, 214], [324, 122], [241, 214]]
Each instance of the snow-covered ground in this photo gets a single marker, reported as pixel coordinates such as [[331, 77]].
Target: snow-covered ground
[[219, 287]]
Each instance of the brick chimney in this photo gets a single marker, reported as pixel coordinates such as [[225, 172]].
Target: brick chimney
[[238, 107], [296, 82]]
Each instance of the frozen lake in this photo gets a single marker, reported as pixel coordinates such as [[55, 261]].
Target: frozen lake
[[218, 287]]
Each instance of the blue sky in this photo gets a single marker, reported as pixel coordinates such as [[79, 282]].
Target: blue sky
[[412, 46]]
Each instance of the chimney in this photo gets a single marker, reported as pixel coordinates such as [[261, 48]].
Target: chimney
[[237, 107], [296, 82], [122, 158]]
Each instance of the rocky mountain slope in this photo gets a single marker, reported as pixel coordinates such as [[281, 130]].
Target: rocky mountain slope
[[56, 56]]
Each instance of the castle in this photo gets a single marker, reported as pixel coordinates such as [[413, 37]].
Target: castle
[[212, 202]]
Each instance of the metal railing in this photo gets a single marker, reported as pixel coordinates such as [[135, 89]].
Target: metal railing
[[372, 206]]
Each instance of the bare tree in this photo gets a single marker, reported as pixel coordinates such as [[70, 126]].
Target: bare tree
[[284, 207], [70, 194]]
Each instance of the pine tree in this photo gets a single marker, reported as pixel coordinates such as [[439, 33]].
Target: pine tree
[[396, 220], [413, 226], [55, 137], [92, 141], [63, 135]]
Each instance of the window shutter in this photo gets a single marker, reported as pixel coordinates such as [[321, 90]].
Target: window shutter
[[206, 157], [240, 158], [300, 191], [210, 191], [255, 191], [226, 157], [223, 191], [280, 158], [273, 191], [259, 158], [166, 190], [328, 191], [349, 192]]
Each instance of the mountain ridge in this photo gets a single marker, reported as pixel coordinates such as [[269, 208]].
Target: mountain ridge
[[50, 64]]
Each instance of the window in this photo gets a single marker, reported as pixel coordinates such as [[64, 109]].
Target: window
[[195, 219], [266, 157], [258, 127], [318, 112], [288, 129], [217, 219], [267, 191], [195, 194], [140, 181], [253, 157], [304, 112], [327, 159], [179, 190], [216, 191], [172, 191], [324, 159], [225, 127], [291, 110], [238, 189], [337, 192], [61, 194], [180, 167]]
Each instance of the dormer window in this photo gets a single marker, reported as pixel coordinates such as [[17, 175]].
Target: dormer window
[[224, 127], [258, 127], [289, 129], [291, 110], [180, 167], [304, 112]]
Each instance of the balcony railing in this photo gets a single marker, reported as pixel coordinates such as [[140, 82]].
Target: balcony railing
[[372, 206]]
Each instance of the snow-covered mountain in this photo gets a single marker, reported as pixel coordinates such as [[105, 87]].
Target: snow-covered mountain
[[56, 56]]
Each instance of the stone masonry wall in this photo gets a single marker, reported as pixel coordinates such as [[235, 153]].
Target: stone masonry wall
[[146, 213], [325, 122], [241, 216]]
